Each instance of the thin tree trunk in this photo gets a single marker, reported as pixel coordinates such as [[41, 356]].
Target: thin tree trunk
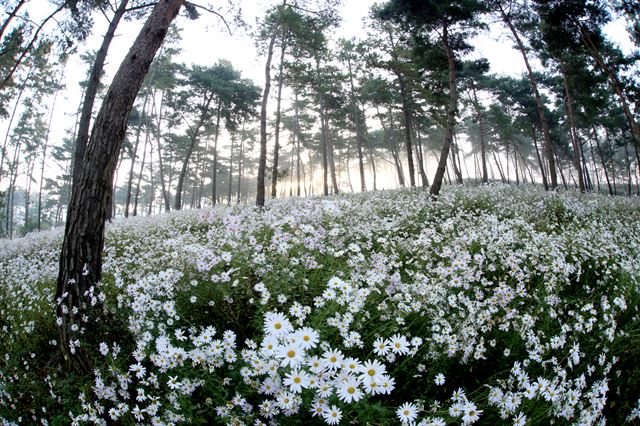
[[572, 127], [194, 134], [498, 165], [134, 154], [152, 195], [595, 166], [241, 160], [7, 78], [534, 138], [27, 199], [44, 156], [4, 152], [593, 50], [214, 172], [451, 114], [12, 15], [604, 164], [628, 164], [144, 158], [165, 192], [262, 162], [548, 145], [276, 149], [332, 164], [91, 91], [230, 172]]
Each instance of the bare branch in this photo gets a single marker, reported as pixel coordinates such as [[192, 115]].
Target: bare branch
[[213, 12], [142, 6]]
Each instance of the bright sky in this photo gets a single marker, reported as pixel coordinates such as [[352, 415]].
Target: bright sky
[[206, 40]]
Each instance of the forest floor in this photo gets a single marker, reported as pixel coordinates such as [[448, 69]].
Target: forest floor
[[495, 304]]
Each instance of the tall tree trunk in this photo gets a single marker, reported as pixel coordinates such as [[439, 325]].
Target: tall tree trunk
[[142, 164], [262, 162], [543, 173], [395, 149], [165, 192], [81, 254], [628, 164], [230, 172], [332, 163], [593, 50], [423, 168], [91, 91], [407, 116], [134, 155], [499, 166], [483, 154], [360, 139], [577, 147], [241, 160], [13, 176], [4, 152], [44, 155], [604, 164], [325, 153], [595, 166], [451, 114], [407, 130], [152, 190], [214, 172], [194, 134], [548, 145], [276, 149], [27, 199]]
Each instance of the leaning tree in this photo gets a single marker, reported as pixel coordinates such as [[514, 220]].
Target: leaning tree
[[81, 255]]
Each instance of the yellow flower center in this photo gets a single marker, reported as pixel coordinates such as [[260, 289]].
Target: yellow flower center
[[291, 353], [398, 345], [277, 326], [351, 390], [405, 412], [333, 359], [371, 372], [296, 380], [306, 338]]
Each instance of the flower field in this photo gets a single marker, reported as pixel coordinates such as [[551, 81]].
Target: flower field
[[493, 305]]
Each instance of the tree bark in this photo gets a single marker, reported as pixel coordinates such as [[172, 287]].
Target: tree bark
[[81, 254]]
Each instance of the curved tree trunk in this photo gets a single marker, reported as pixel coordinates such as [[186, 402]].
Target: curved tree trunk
[[81, 254], [92, 90]]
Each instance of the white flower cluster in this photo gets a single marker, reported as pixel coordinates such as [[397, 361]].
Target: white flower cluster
[[487, 304]]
